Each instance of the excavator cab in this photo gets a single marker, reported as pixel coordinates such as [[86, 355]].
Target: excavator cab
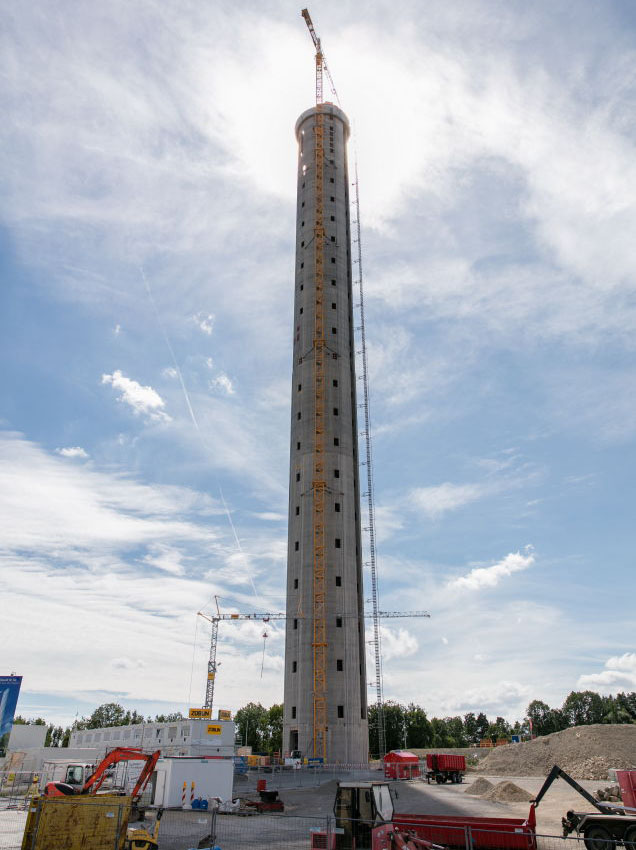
[[359, 807]]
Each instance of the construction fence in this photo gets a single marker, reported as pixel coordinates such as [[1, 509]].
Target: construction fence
[[66, 824]]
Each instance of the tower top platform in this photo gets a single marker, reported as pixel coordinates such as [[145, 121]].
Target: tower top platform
[[325, 109]]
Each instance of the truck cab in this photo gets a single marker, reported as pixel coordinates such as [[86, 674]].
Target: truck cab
[[359, 807]]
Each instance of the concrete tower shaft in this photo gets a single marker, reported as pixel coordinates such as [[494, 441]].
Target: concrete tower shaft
[[325, 677]]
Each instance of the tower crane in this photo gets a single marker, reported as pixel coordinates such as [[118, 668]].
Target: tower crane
[[321, 61], [217, 618]]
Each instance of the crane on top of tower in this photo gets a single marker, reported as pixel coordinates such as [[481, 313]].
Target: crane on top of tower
[[321, 61]]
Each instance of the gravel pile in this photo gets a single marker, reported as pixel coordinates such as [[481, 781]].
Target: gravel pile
[[508, 792], [479, 786], [585, 752]]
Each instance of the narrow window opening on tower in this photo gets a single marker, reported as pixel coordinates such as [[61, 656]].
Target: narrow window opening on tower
[[298, 415], [338, 543], [333, 305], [333, 238], [295, 623], [302, 286], [338, 581], [296, 545], [335, 380], [336, 473], [293, 712], [294, 666], [336, 507], [339, 665], [298, 447], [331, 218], [300, 386], [335, 411], [333, 260], [302, 244], [333, 282], [298, 476], [331, 180], [338, 622], [336, 441], [297, 510], [302, 224], [302, 265], [334, 330], [304, 172], [301, 310], [303, 203], [295, 584], [332, 198], [341, 711]]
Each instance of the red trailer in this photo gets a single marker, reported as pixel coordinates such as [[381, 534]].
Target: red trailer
[[400, 764], [463, 831], [445, 767]]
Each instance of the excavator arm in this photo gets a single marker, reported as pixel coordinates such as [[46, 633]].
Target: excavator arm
[[95, 780], [558, 773]]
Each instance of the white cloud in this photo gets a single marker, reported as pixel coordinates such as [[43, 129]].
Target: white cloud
[[165, 558], [72, 451], [222, 382], [499, 698], [438, 500], [205, 322], [117, 330], [397, 643], [619, 675], [143, 400], [481, 577], [170, 372]]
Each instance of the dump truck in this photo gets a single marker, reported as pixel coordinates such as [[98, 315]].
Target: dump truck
[[366, 820], [610, 822], [445, 767]]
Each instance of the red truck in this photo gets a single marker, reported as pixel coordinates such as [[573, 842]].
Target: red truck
[[445, 767]]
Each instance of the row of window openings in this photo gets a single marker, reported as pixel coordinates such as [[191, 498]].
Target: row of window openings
[[339, 666], [335, 413], [340, 711], [336, 508], [336, 472], [338, 621], [337, 544], [338, 584], [333, 259], [333, 307], [331, 180], [302, 286]]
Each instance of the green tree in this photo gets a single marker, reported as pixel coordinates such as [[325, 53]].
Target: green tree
[[275, 728], [252, 726], [581, 708], [418, 727], [455, 731], [482, 726], [394, 725], [159, 718], [470, 729]]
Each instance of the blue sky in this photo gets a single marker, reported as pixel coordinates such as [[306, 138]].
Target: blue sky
[[147, 255]]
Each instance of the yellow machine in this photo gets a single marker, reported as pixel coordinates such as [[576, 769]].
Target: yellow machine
[[141, 839]]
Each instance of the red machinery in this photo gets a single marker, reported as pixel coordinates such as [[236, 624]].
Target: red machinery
[[445, 767], [96, 779], [400, 764]]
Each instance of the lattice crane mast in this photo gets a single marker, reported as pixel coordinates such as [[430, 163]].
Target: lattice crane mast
[[321, 61], [217, 618]]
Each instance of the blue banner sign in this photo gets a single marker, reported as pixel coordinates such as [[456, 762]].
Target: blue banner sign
[[9, 690]]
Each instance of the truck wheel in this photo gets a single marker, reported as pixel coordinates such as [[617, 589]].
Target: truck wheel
[[597, 837], [439, 779], [460, 778], [630, 836]]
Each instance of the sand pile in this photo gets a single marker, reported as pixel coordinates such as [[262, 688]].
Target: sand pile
[[479, 786], [508, 792], [585, 752]]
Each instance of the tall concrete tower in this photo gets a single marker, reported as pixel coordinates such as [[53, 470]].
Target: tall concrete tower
[[325, 677]]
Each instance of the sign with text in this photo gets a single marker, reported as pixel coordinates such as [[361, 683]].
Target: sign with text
[[214, 729], [200, 714], [9, 690], [224, 715]]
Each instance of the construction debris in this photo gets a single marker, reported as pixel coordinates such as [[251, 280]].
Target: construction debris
[[508, 792], [585, 752]]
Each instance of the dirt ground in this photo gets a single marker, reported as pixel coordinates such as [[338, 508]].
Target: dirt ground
[[416, 797]]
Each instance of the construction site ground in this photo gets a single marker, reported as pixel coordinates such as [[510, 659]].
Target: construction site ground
[[416, 796]]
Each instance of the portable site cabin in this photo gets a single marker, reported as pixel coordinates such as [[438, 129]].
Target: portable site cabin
[[400, 764]]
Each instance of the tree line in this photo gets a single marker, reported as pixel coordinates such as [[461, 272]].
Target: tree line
[[406, 726]]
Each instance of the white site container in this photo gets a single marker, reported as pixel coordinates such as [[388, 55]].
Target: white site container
[[212, 777]]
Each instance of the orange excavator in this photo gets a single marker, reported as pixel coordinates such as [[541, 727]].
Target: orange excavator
[[96, 779]]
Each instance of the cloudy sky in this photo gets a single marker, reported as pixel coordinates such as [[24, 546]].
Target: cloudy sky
[[147, 255]]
